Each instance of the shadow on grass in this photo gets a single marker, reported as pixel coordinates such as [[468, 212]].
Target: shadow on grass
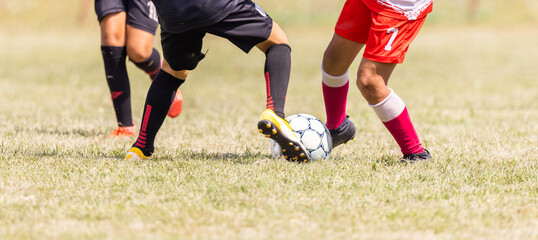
[[95, 153], [63, 152], [246, 157], [387, 161], [62, 132]]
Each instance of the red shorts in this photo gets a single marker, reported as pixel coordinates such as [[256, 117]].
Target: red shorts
[[387, 39]]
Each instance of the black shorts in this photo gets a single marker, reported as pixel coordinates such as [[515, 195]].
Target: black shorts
[[245, 27], [141, 14]]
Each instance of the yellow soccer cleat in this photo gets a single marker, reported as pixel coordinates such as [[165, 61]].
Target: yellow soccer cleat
[[136, 154], [278, 129]]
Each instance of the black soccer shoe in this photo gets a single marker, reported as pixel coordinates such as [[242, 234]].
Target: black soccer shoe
[[417, 157], [343, 133], [278, 129]]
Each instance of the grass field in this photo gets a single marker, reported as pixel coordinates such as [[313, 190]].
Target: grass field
[[471, 89]]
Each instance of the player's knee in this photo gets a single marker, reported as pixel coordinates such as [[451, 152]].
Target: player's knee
[[366, 83], [185, 61], [137, 54], [112, 40]]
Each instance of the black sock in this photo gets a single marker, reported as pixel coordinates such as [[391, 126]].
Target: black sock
[[151, 65], [160, 96], [118, 83], [277, 76]]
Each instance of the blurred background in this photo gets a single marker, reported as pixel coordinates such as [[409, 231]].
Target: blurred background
[[477, 47], [472, 49], [77, 13]]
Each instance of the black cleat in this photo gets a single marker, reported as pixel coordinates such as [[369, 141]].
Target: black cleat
[[417, 157], [343, 133]]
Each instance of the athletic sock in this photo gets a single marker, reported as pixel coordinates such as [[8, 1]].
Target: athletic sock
[[118, 83], [158, 101], [277, 76], [335, 89], [151, 65], [393, 113]]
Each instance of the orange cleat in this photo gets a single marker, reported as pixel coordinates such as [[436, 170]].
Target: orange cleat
[[123, 132], [177, 105]]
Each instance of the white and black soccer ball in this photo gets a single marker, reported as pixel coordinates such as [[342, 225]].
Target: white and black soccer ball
[[313, 134]]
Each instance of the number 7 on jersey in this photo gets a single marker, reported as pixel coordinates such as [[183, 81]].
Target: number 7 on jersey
[[394, 32]]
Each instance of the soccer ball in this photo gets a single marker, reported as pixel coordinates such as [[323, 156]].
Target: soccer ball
[[313, 134]]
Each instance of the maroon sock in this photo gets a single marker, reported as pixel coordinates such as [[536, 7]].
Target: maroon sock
[[335, 89], [404, 133], [393, 113]]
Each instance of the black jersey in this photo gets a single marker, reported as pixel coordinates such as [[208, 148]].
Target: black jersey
[[176, 16]]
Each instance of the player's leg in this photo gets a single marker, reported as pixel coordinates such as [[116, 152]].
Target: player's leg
[[383, 51], [277, 74], [141, 52], [158, 101], [277, 68], [142, 24], [351, 32], [389, 107], [337, 58], [249, 26], [111, 16], [182, 53]]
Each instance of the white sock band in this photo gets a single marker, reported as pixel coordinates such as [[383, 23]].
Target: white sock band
[[334, 81], [390, 108]]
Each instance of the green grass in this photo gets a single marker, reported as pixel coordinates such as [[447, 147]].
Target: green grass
[[470, 89]]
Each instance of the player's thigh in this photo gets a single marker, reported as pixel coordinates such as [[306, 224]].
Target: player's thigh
[[113, 29], [277, 37], [182, 51], [389, 38], [139, 44], [112, 16], [351, 33], [339, 55], [247, 26]]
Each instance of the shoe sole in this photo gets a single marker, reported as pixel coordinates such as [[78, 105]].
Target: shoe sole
[[347, 141], [122, 135], [292, 149], [416, 161], [136, 154]]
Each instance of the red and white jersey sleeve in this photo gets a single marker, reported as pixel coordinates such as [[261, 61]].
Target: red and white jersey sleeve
[[401, 9]]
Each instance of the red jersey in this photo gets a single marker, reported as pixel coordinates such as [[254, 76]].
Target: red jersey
[[401, 9]]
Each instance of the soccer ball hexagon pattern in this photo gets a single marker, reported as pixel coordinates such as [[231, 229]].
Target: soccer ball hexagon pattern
[[312, 133]]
